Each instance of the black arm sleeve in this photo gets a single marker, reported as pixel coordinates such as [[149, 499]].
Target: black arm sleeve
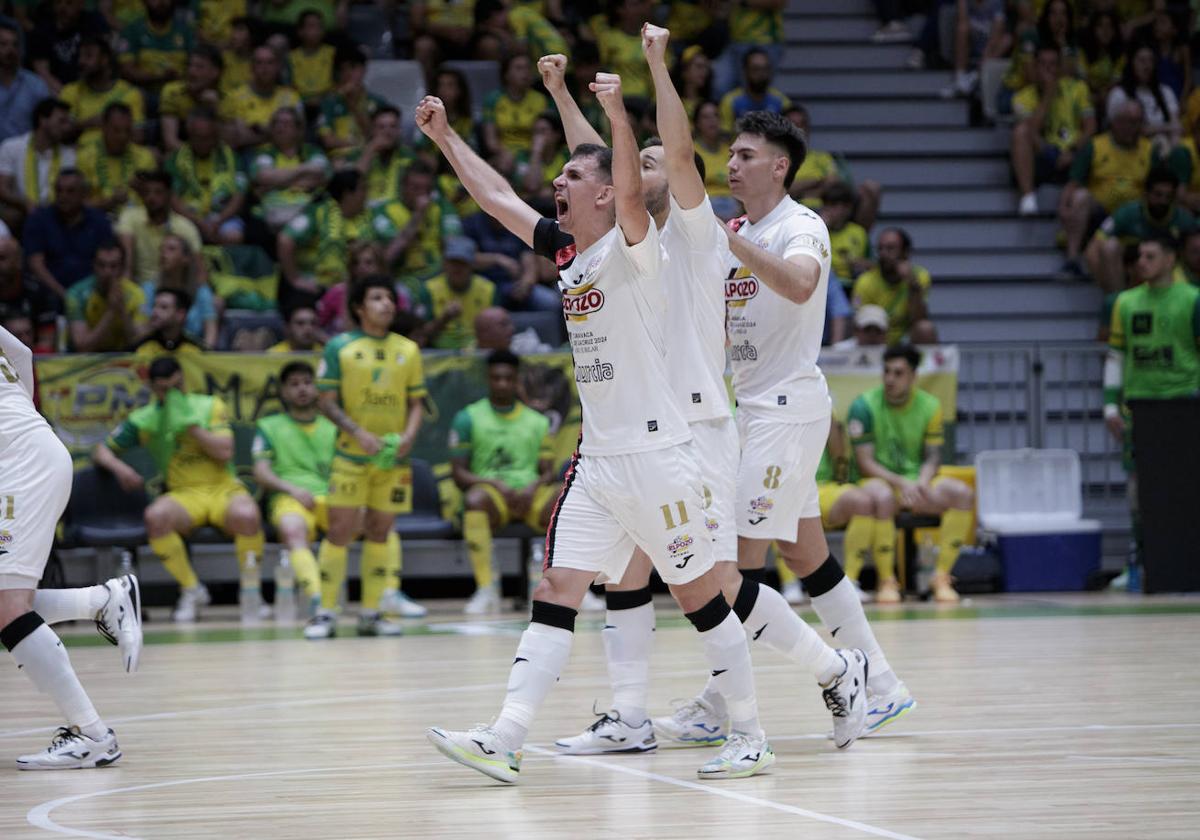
[[553, 244]]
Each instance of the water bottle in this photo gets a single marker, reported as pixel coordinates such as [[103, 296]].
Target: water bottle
[[926, 564], [536, 558], [250, 591], [126, 567], [285, 590]]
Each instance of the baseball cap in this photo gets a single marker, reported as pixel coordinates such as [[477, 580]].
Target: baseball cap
[[871, 316], [460, 248]]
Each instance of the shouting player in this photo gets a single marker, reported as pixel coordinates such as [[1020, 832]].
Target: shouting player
[[635, 479]]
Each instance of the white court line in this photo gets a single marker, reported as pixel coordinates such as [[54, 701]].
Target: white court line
[[1089, 727], [716, 790]]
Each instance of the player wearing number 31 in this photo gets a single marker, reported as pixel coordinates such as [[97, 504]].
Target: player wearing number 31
[[635, 479]]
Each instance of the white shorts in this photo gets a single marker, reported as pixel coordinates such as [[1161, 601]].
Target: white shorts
[[609, 504], [717, 448], [777, 476], [35, 484]]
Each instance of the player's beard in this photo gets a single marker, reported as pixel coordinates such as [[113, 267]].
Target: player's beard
[[656, 202]]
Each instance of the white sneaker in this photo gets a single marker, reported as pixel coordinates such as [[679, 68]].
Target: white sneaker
[[395, 602], [793, 593], [610, 734], [892, 33], [693, 724], [120, 619], [863, 597], [592, 603], [485, 600], [883, 710], [479, 748], [742, 756], [374, 624], [323, 625], [1028, 205], [846, 697], [191, 601], [70, 749]]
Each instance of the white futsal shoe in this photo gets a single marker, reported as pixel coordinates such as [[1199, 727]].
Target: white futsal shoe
[[374, 624], [486, 600], [70, 749], [191, 601], [323, 625], [741, 756], [846, 697], [891, 707], [395, 602], [693, 724], [610, 734], [479, 748], [120, 619]]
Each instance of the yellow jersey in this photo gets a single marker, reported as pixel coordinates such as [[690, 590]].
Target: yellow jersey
[[86, 103], [622, 54], [214, 18], [105, 172], [1064, 116], [871, 288], [450, 13], [514, 118], [252, 109], [755, 26], [817, 166], [162, 431], [716, 173], [237, 71], [848, 244], [286, 347], [1112, 173], [459, 332], [312, 73], [374, 379]]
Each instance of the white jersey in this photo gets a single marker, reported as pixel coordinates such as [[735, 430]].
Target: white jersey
[[614, 301], [697, 256], [17, 414], [775, 342]]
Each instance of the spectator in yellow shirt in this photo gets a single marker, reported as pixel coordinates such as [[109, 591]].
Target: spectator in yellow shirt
[[142, 228], [312, 61], [111, 161], [249, 109], [1055, 118], [509, 113], [97, 88], [440, 29], [452, 300], [900, 287], [239, 56], [619, 37], [300, 332], [104, 311], [712, 146], [383, 160], [199, 88], [848, 240], [155, 46]]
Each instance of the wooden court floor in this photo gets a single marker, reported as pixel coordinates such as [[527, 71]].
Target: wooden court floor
[[1057, 717]]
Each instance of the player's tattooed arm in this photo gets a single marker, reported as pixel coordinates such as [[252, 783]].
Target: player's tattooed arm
[[795, 278], [337, 415]]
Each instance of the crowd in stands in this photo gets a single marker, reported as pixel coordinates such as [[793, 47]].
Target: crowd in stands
[[236, 157]]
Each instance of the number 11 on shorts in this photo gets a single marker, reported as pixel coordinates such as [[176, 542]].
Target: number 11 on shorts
[[668, 517]]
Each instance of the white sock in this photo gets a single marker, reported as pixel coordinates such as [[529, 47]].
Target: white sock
[[713, 697], [541, 656], [775, 624], [628, 636], [58, 605], [44, 660], [728, 657], [841, 611]]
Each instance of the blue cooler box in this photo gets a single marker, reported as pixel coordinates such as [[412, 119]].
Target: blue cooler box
[[1030, 502]]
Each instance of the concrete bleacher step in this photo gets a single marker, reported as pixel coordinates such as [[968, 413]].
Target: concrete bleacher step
[[908, 142], [1068, 298], [906, 84], [854, 29], [966, 329], [974, 233], [905, 172], [990, 265], [828, 8], [873, 114], [913, 202], [817, 56]]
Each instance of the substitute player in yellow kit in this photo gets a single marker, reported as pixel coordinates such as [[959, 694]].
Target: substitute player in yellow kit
[[372, 385]]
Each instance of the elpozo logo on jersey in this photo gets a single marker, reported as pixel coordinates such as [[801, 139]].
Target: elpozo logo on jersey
[[579, 303], [740, 287]]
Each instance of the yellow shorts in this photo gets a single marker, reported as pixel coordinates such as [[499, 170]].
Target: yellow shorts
[[541, 497], [355, 485], [318, 518], [828, 493], [938, 478], [208, 505]]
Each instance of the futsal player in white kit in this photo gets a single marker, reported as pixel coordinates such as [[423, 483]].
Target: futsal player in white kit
[[694, 276], [35, 484], [635, 479], [775, 297]]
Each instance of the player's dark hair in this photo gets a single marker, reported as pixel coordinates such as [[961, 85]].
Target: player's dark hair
[[503, 357], [343, 181], [1165, 241], [905, 239], [1161, 174], [116, 108], [907, 352], [46, 107], [293, 368], [164, 367], [601, 156], [779, 131], [358, 292], [651, 142], [182, 299]]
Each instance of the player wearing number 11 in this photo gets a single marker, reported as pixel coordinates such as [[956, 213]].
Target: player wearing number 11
[[635, 480]]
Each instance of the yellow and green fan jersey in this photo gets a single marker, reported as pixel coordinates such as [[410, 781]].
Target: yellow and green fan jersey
[[252, 109], [85, 303], [423, 258], [300, 453], [450, 12], [716, 173], [374, 379], [1132, 223], [621, 53], [237, 72], [436, 296], [540, 36], [514, 118], [1112, 173], [551, 169], [900, 434], [337, 117], [872, 288], [154, 50], [385, 178], [755, 26], [214, 18], [312, 73], [270, 157], [105, 172], [505, 445], [847, 245], [205, 184], [161, 429], [86, 104], [1156, 331], [287, 12], [1065, 115], [324, 235]]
